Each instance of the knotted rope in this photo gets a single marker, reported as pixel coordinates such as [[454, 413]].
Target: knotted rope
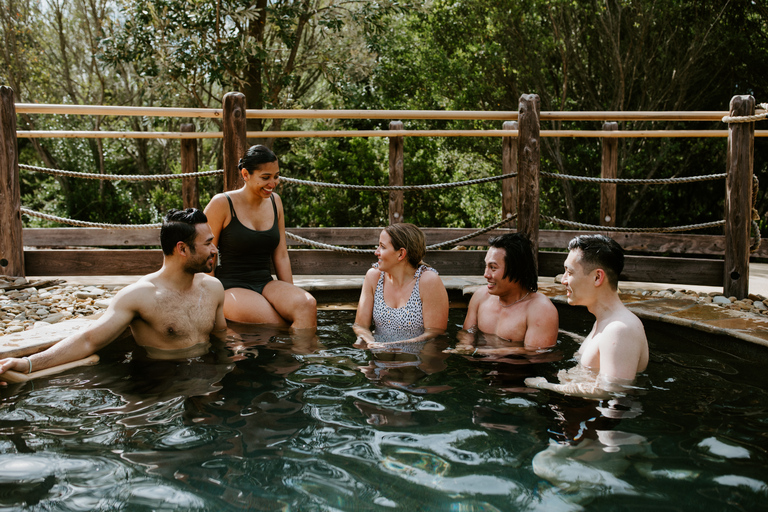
[[659, 181], [669, 229], [85, 224], [337, 248], [348, 250], [116, 177], [398, 187], [748, 119], [755, 216]]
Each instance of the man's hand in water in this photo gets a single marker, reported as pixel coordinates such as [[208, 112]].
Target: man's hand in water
[[537, 382]]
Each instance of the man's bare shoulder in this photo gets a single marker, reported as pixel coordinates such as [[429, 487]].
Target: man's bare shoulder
[[209, 282], [481, 294], [623, 327], [541, 305], [144, 286]]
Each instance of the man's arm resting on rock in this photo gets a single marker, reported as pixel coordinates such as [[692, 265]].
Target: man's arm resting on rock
[[105, 330]]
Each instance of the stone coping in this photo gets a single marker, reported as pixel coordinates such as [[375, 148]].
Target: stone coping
[[662, 304]]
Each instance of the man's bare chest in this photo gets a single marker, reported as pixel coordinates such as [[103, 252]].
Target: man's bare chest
[[509, 324], [589, 353], [175, 316]]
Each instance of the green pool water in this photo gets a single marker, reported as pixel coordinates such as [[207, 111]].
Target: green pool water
[[270, 422]]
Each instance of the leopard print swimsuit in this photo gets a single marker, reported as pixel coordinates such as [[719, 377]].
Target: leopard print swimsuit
[[397, 324]]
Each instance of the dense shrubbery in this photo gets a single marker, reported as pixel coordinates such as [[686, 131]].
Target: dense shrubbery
[[470, 55]]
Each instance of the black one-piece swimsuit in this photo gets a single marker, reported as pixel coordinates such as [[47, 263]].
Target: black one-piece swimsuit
[[246, 254]]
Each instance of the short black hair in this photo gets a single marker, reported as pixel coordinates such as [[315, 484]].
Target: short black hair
[[600, 251], [519, 262], [254, 157], [179, 226]]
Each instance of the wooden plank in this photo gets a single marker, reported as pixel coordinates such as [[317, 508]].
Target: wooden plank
[[707, 245], [235, 143], [509, 166], [323, 262], [364, 238], [93, 262], [528, 166], [396, 175], [609, 170], [11, 257], [652, 269], [90, 237], [738, 198]]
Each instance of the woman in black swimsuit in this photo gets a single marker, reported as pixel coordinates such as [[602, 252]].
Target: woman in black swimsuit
[[249, 229]]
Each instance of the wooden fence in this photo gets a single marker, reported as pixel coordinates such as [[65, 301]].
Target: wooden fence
[[720, 260]]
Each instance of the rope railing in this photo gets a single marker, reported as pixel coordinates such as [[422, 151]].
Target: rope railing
[[455, 241], [314, 243], [84, 224], [628, 181], [119, 177], [748, 119], [151, 177], [398, 187], [668, 229]]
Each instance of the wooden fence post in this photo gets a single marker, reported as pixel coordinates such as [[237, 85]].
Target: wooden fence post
[[396, 206], [235, 144], [610, 169], [738, 198], [509, 166], [189, 191], [11, 245], [528, 166]]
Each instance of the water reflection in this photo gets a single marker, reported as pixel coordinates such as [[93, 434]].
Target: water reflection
[[270, 421]]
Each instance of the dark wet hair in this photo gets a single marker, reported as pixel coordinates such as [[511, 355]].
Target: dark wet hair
[[254, 157], [519, 262], [599, 251], [179, 226], [409, 237]]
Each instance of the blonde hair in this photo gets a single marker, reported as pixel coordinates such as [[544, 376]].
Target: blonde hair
[[409, 237]]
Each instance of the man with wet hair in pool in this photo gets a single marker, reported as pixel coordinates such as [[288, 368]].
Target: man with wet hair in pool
[[509, 307], [172, 312], [616, 349]]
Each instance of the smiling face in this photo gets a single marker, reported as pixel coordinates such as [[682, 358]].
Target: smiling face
[[386, 253], [495, 265], [202, 251], [263, 180], [577, 280]]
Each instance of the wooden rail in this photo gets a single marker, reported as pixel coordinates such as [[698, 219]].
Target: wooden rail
[[724, 261], [103, 110], [328, 134]]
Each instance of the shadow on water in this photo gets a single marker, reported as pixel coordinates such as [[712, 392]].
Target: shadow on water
[[272, 421]]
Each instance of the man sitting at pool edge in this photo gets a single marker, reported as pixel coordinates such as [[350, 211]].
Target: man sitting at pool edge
[[616, 349], [171, 312], [509, 306]]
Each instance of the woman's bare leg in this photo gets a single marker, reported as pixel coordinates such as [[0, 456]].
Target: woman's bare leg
[[295, 305], [247, 306]]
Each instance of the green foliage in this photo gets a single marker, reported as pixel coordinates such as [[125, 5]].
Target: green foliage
[[444, 55], [355, 161]]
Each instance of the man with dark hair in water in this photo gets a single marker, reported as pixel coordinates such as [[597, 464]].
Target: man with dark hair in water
[[171, 312], [616, 349], [509, 306]]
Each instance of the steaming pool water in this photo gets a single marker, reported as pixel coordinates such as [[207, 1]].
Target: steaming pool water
[[270, 422]]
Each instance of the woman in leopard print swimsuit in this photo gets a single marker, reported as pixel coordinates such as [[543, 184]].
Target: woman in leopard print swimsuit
[[404, 298]]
